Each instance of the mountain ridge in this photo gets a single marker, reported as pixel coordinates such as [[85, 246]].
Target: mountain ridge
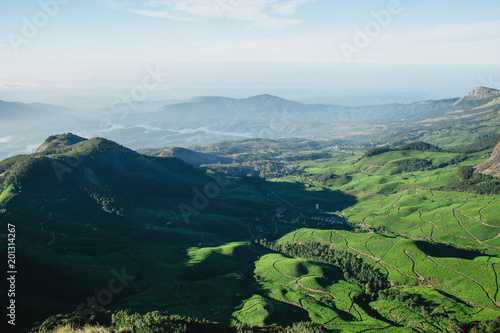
[[191, 157], [208, 120], [478, 95], [100, 169], [59, 141]]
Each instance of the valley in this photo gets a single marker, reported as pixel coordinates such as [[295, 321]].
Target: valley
[[276, 233]]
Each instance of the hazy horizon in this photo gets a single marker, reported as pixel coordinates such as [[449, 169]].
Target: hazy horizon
[[353, 86], [86, 54]]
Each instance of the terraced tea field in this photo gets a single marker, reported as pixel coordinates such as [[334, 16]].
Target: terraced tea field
[[442, 246]]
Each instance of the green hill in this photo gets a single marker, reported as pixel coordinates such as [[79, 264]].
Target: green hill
[[87, 210], [196, 159], [389, 244], [111, 175], [80, 209], [55, 142]]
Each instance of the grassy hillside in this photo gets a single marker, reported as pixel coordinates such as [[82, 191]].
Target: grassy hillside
[[196, 159], [93, 208], [55, 142], [346, 243]]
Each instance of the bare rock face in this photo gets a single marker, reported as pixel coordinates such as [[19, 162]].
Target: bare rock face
[[492, 165], [480, 93]]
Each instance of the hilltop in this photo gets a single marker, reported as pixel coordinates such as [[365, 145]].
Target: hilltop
[[196, 159], [105, 172], [82, 207], [480, 94], [59, 141]]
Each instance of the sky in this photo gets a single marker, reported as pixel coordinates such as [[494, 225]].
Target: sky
[[324, 45]]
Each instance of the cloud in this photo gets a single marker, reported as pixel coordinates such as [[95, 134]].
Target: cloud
[[6, 139], [289, 7], [160, 14], [259, 13], [472, 31], [285, 48], [465, 43]]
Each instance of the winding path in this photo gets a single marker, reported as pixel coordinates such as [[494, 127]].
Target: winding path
[[378, 260], [465, 276]]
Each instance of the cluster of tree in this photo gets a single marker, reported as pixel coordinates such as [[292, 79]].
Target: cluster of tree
[[453, 161], [233, 170], [355, 270], [417, 145], [465, 172], [108, 203], [125, 321], [413, 301], [475, 182], [486, 326], [258, 145], [376, 151], [437, 313], [413, 164], [302, 327], [21, 168], [324, 178], [309, 156], [271, 169], [330, 178], [152, 322], [161, 322], [480, 145], [260, 168]]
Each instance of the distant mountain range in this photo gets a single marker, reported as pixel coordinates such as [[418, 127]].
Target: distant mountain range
[[207, 120], [210, 119], [13, 110], [24, 126]]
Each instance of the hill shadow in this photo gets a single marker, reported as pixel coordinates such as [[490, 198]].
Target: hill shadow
[[446, 251], [297, 195]]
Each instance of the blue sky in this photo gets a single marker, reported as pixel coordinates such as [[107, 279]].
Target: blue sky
[[229, 40]]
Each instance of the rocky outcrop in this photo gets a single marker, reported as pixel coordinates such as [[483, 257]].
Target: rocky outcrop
[[492, 165]]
